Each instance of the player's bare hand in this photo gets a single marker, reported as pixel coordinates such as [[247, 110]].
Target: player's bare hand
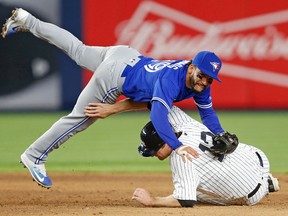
[[143, 196], [186, 152], [99, 110]]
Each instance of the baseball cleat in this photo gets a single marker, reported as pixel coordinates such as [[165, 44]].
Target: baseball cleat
[[37, 171], [15, 23], [273, 183]]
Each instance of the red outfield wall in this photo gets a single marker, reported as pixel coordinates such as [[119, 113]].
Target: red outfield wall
[[250, 36]]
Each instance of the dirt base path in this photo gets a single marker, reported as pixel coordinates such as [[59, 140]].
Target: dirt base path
[[110, 194]]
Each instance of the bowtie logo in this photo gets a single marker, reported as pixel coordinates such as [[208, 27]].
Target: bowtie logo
[[215, 65]]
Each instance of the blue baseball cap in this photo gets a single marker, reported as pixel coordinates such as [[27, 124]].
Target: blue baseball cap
[[208, 63]]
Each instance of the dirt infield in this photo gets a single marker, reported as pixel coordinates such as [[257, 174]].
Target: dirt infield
[[110, 194]]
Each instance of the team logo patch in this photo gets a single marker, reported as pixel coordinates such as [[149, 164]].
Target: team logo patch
[[156, 66], [215, 65]]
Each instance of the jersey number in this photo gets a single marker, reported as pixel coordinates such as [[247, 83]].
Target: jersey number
[[203, 148]]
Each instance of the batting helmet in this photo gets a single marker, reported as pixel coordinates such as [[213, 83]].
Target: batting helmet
[[151, 141]]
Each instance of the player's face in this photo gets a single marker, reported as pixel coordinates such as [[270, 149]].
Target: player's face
[[197, 80], [163, 152]]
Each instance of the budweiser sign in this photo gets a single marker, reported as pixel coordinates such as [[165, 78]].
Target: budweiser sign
[[153, 30], [251, 38]]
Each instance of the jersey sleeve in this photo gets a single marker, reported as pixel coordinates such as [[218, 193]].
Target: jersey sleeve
[[207, 112], [159, 118], [185, 178], [163, 95]]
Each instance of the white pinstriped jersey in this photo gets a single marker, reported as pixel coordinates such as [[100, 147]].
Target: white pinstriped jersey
[[238, 178]]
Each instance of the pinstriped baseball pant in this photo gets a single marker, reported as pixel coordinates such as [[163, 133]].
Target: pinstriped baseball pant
[[260, 191], [105, 86]]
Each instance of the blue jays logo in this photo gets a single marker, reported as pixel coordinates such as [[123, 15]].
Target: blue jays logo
[[156, 65], [215, 65]]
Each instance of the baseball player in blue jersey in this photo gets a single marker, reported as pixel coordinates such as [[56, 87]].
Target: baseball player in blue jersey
[[119, 70], [239, 178]]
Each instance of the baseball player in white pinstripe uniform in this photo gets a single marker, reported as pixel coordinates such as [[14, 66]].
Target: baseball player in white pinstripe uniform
[[239, 178]]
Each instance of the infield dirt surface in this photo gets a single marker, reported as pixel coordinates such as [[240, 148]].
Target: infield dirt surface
[[110, 194]]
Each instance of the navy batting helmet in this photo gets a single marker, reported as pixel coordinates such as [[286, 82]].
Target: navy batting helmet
[[151, 141]]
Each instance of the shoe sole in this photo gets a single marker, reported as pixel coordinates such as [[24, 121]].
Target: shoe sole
[[5, 26], [22, 161]]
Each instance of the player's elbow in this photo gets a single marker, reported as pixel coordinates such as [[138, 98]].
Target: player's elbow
[[187, 203]]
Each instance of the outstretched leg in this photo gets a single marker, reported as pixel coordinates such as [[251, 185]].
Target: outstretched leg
[[89, 57]]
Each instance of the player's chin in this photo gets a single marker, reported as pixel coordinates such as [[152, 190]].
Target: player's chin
[[198, 88]]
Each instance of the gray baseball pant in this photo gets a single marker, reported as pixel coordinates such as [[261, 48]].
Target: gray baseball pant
[[105, 86]]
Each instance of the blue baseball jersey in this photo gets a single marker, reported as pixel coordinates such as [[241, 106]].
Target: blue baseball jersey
[[163, 82]]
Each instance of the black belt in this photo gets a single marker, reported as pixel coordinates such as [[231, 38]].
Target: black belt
[[260, 159], [254, 191], [258, 185]]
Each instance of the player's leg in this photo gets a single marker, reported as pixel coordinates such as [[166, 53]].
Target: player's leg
[[36, 154], [64, 128], [214, 199], [268, 178], [103, 87], [268, 182], [89, 57]]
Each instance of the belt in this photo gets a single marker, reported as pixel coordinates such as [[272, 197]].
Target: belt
[[258, 185], [260, 159], [254, 191]]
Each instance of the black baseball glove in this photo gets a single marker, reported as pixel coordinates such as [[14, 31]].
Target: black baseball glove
[[224, 143]]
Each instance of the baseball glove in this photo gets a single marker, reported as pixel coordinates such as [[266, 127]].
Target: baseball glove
[[224, 143]]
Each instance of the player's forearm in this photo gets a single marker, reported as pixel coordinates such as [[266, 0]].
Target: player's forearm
[[144, 197], [101, 110], [128, 105], [168, 201], [210, 120]]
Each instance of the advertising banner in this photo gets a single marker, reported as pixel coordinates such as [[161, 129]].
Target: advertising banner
[[251, 38]]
